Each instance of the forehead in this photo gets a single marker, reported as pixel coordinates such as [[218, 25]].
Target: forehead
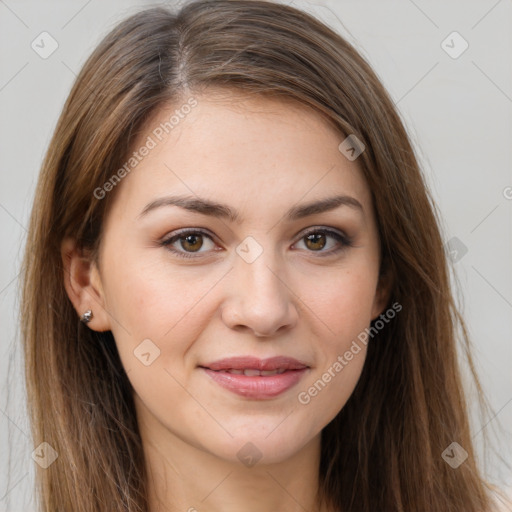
[[239, 148]]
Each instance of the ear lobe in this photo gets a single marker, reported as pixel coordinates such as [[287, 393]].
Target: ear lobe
[[82, 282]]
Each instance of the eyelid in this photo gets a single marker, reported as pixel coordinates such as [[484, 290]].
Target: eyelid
[[323, 229], [341, 237], [181, 233], [188, 231]]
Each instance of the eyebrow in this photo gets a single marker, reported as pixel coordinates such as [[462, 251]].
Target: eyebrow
[[223, 211]]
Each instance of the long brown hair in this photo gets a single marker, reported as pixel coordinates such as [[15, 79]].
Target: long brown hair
[[383, 450]]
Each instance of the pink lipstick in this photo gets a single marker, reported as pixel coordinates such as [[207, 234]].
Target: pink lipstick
[[256, 378]]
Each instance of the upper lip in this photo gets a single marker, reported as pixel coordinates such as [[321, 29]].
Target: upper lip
[[250, 362]]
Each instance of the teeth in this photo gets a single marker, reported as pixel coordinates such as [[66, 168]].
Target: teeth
[[250, 372]]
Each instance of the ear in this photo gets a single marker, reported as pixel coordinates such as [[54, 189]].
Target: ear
[[83, 284], [382, 293]]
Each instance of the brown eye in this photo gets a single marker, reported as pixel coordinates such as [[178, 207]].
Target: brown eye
[[191, 242], [315, 241], [325, 242], [188, 244]]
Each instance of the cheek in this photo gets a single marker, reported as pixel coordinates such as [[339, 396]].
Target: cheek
[[344, 308], [343, 301], [147, 302], [331, 385]]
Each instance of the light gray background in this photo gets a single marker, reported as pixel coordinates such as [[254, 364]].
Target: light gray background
[[458, 112]]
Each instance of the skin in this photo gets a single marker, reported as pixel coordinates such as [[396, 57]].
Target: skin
[[261, 157]]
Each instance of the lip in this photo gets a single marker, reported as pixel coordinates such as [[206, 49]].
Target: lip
[[257, 387], [250, 362]]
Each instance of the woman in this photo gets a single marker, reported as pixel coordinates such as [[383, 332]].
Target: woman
[[235, 290]]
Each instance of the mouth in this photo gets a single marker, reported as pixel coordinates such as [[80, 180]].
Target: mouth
[[252, 372], [255, 378]]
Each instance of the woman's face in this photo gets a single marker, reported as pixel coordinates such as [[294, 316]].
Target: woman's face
[[184, 287]]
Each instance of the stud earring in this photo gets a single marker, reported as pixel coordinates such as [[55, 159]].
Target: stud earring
[[86, 317]]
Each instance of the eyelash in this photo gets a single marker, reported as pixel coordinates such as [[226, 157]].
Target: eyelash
[[344, 240]]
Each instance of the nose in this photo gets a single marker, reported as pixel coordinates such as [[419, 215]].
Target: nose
[[258, 298]]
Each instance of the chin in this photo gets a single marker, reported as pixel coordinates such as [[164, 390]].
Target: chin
[[261, 443]]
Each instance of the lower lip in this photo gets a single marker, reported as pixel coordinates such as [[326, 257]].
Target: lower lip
[[257, 387]]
